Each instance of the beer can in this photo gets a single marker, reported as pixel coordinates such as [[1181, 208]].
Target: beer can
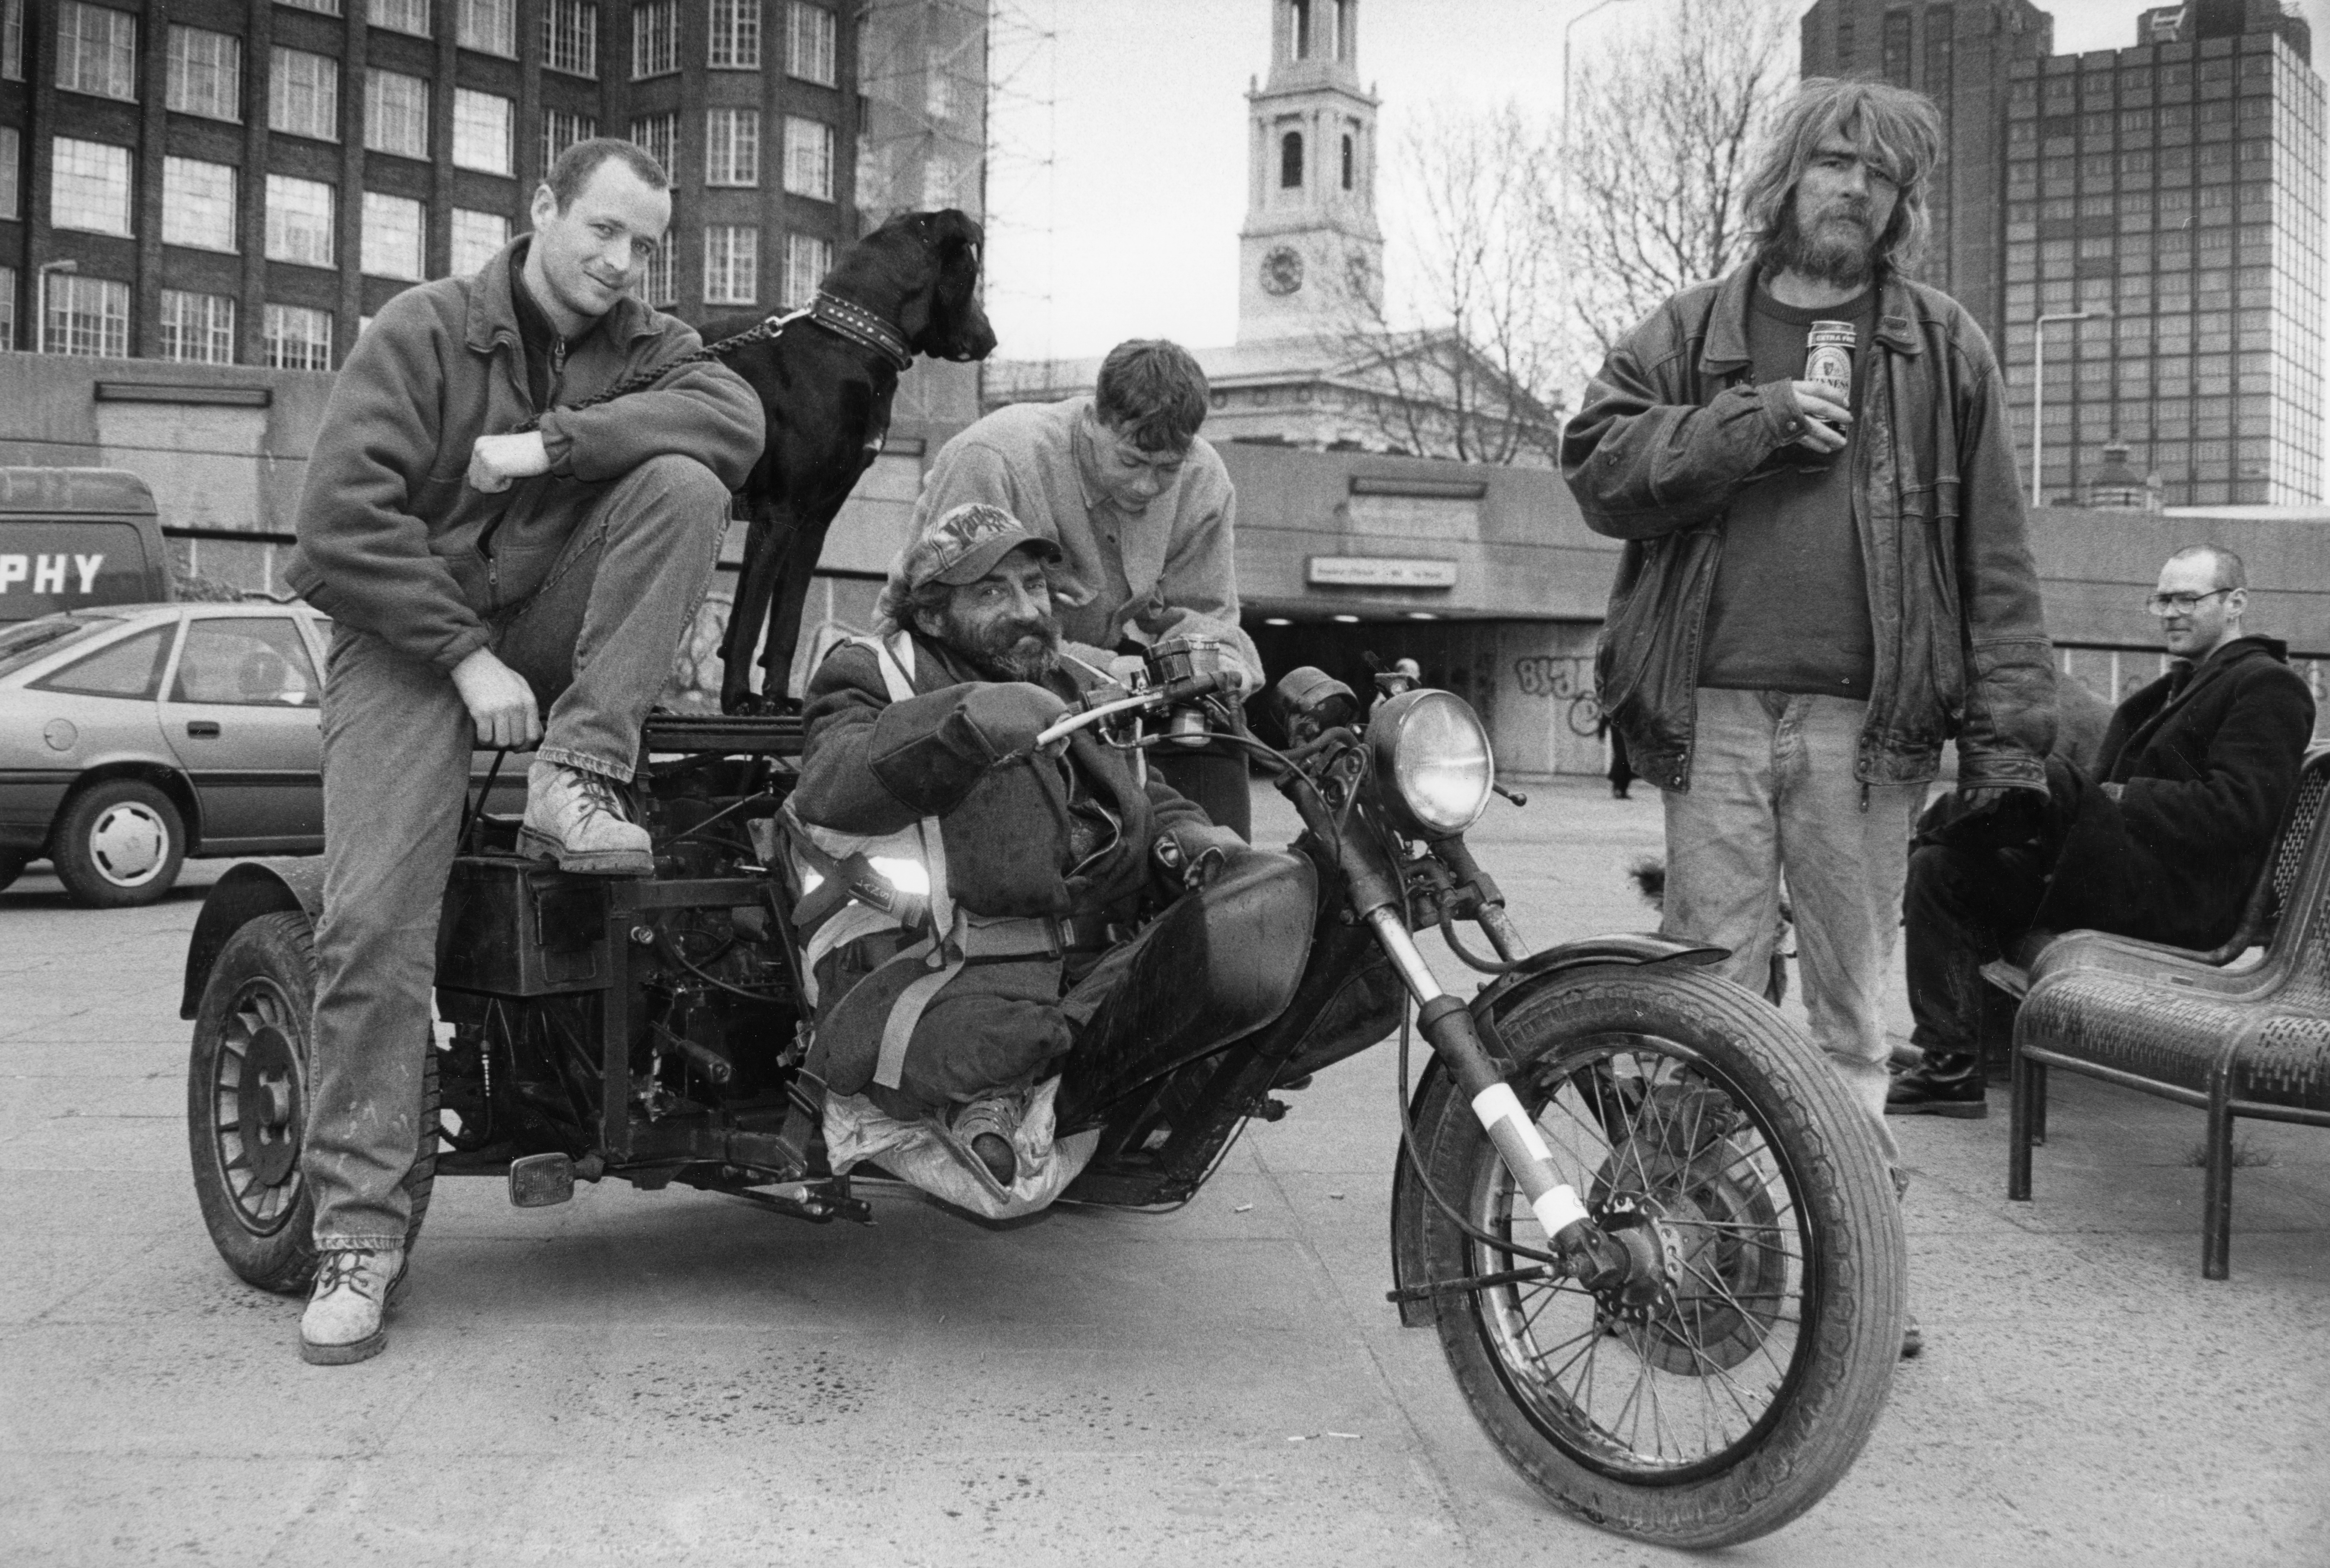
[[1828, 357]]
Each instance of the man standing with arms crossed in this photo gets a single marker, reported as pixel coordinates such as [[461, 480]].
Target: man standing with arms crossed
[[496, 587], [1820, 586]]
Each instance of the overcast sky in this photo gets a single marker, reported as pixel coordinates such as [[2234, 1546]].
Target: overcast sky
[[1114, 207]]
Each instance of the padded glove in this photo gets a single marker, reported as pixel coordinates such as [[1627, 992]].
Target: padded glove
[[1008, 715]]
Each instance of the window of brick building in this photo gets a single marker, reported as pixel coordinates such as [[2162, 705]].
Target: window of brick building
[[392, 228], [560, 130], [11, 64], [660, 284], [809, 157], [206, 74], [320, 7], [736, 35], [481, 131], [303, 95], [399, 15], [809, 41], [655, 39], [197, 328], [8, 310], [488, 27], [11, 153], [476, 237], [198, 204], [86, 316], [396, 114], [88, 186], [97, 50], [300, 215], [659, 135], [732, 147], [731, 264], [808, 260], [570, 36], [298, 338]]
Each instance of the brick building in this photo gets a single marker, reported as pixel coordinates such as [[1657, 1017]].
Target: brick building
[[247, 181]]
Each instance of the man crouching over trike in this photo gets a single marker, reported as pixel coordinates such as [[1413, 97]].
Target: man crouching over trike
[[921, 768]]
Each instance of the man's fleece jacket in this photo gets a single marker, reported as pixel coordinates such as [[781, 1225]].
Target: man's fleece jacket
[[394, 541]]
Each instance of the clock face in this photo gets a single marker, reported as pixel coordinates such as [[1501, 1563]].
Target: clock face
[[1282, 270]]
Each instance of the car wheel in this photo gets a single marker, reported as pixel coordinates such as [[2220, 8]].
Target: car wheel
[[117, 844], [12, 866]]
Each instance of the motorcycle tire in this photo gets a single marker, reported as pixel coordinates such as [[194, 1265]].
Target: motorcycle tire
[[1686, 1106], [247, 1086]]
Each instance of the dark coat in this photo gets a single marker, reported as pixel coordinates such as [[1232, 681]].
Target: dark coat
[[2208, 765], [1673, 427]]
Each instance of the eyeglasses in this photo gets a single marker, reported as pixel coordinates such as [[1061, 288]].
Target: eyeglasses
[[2168, 604]]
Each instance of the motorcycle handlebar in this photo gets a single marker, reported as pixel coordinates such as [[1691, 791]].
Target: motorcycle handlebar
[[1171, 695]]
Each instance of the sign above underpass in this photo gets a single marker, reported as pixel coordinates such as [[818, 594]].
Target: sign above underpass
[[1381, 571]]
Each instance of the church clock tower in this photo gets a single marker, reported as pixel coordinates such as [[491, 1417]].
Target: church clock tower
[[1310, 232]]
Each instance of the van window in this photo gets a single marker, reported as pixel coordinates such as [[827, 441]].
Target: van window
[[131, 667], [49, 566], [257, 661]]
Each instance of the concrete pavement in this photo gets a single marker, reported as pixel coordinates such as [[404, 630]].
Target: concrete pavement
[[677, 1378]]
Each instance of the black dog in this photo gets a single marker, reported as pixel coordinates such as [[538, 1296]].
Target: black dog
[[826, 381]]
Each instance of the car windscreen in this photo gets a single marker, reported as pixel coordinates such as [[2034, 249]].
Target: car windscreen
[[20, 645], [50, 566]]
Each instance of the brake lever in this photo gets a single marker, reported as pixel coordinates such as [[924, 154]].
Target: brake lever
[[1165, 696]]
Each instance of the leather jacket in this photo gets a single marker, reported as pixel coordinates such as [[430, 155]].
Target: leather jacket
[[1673, 426]]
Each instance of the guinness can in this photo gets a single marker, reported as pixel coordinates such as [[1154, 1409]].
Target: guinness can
[[1828, 357]]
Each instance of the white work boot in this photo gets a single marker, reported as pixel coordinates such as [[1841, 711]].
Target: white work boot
[[342, 1320], [579, 819]]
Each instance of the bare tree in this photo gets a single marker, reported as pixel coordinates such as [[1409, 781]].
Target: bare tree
[[1671, 106], [1456, 354]]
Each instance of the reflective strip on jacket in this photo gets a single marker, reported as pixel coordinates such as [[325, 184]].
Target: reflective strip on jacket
[[1672, 425]]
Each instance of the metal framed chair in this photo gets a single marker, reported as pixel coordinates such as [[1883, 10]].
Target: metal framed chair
[[2236, 1040]]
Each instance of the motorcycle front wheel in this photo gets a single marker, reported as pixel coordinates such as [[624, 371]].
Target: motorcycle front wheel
[[1684, 1108]]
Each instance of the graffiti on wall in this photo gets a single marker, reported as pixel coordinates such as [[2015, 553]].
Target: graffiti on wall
[[1563, 679]]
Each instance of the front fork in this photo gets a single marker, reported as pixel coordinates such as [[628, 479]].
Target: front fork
[[1447, 1024]]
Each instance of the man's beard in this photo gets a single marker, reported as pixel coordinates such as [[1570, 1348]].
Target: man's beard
[[1005, 650], [1842, 254]]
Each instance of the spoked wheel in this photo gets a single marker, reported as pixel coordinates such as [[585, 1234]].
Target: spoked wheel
[[1733, 1380], [247, 1096]]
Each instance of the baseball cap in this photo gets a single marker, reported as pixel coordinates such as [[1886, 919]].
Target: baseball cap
[[964, 546]]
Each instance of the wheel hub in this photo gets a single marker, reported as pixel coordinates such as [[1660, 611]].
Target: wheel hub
[[127, 844], [267, 1103]]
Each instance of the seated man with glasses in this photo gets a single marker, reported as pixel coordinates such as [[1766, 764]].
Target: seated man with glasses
[[2163, 842]]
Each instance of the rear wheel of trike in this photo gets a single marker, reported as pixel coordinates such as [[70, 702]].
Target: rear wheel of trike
[[1687, 1110], [247, 1095]]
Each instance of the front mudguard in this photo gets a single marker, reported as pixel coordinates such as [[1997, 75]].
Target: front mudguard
[[1540, 969], [249, 889]]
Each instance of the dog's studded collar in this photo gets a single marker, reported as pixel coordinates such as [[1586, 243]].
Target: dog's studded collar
[[861, 326]]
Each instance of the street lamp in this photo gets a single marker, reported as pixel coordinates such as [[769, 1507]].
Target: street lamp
[[1573, 22], [41, 327], [2038, 380]]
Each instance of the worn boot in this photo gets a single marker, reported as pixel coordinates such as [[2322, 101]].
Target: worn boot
[[579, 819], [342, 1320], [1943, 1084], [987, 1125]]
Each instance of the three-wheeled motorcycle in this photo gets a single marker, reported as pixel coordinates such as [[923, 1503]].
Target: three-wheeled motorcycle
[[1654, 1236]]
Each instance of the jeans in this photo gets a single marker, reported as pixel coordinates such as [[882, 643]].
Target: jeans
[[596, 642], [1964, 906], [1773, 794]]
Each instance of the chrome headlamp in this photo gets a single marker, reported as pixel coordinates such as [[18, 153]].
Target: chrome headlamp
[[1432, 756]]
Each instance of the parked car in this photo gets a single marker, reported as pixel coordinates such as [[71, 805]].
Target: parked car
[[72, 538], [132, 736]]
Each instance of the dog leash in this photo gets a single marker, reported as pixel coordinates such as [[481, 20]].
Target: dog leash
[[842, 317]]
